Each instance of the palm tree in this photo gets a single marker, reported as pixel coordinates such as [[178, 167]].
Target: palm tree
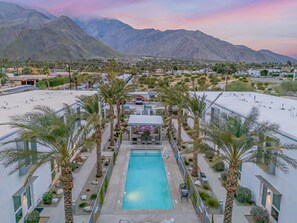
[[195, 105], [120, 93], [45, 70], [174, 96], [60, 138], [108, 93], [92, 114], [236, 140]]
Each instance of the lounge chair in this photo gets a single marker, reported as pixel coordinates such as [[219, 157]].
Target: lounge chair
[[182, 186], [149, 140], [184, 193], [134, 140], [143, 139], [157, 140]]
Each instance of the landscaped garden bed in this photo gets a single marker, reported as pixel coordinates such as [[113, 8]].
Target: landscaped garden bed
[[90, 190]]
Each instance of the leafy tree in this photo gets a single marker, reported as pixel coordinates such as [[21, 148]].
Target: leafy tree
[[264, 73]]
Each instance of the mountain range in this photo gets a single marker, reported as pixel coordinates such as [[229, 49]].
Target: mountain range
[[28, 33]]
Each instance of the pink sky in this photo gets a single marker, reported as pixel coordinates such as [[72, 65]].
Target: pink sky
[[259, 24]]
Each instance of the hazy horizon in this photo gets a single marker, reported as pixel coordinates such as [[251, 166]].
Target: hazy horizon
[[258, 24]]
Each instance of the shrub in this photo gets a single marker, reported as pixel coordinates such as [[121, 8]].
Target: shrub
[[219, 166], [83, 204], [204, 196], [187, 162], [105, 184], [195, 199], [93, 197], [224, 175], [243, 195], [34, 217], [47, 198], [260, 214], [209, 155], [101, 195], [188, 181], [206, 186], [212, 202]]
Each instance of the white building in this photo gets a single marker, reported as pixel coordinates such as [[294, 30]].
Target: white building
[[271, 188], [17, 199]]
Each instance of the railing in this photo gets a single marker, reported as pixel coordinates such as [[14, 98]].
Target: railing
[[103, 188], [198, 204]]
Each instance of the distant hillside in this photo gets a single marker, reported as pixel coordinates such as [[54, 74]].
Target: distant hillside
[[26, 33], [172, 43]]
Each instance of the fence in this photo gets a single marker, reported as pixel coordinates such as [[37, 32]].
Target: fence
[[103, 188], [199, 206]]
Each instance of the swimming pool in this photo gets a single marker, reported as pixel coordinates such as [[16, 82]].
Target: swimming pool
[[146, 184]]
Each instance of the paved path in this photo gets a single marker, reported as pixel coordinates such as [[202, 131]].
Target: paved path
[[112, 212], [184, 135], [218, 189], [56, 214]]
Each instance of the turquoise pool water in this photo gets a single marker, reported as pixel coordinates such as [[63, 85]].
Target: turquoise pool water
[[146, 184]]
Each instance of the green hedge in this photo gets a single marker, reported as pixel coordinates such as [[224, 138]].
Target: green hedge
[[47, 198], [243, 195]]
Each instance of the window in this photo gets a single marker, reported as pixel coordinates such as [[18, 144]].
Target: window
[[264, 195], [28, 196], [27, 145], [18, 212], [275, 208], [215, 116]]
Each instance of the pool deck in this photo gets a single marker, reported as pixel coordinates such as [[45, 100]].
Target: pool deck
[[112, 211]]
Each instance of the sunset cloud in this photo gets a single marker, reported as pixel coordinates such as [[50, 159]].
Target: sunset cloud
[[259, 24]]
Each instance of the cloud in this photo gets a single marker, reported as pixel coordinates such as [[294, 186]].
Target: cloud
[[256, 23]]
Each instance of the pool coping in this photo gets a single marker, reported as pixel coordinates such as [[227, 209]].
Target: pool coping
[[166, 175], [112, 208]]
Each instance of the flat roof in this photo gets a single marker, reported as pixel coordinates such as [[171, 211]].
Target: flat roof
[[279, 110], [145, 120], [21, 103]]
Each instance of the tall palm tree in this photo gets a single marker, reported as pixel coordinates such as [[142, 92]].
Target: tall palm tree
[[45, 70], [92, 114], [236, 140], [195, 105], [174, 96], [58, 135], [121, 91], [108, 93]]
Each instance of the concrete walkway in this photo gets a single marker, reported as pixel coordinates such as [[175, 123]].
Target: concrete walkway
[[56, 214], [112, 211], [184, 135], [218, 189]]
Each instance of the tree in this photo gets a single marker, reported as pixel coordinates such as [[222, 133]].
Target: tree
[[92, 115], [108, 93], [236, 140], [264, 72], [289, 63], [174, 96], [59, 137], [195, 105], [121, 91], [45, 70]]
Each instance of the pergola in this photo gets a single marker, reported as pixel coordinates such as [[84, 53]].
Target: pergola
[[146, 120]]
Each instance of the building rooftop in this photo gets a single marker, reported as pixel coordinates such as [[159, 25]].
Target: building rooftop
[[279, 110], [145, 120], [24, 102]]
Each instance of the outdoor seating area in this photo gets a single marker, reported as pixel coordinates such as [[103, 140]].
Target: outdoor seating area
[[145, 129]]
